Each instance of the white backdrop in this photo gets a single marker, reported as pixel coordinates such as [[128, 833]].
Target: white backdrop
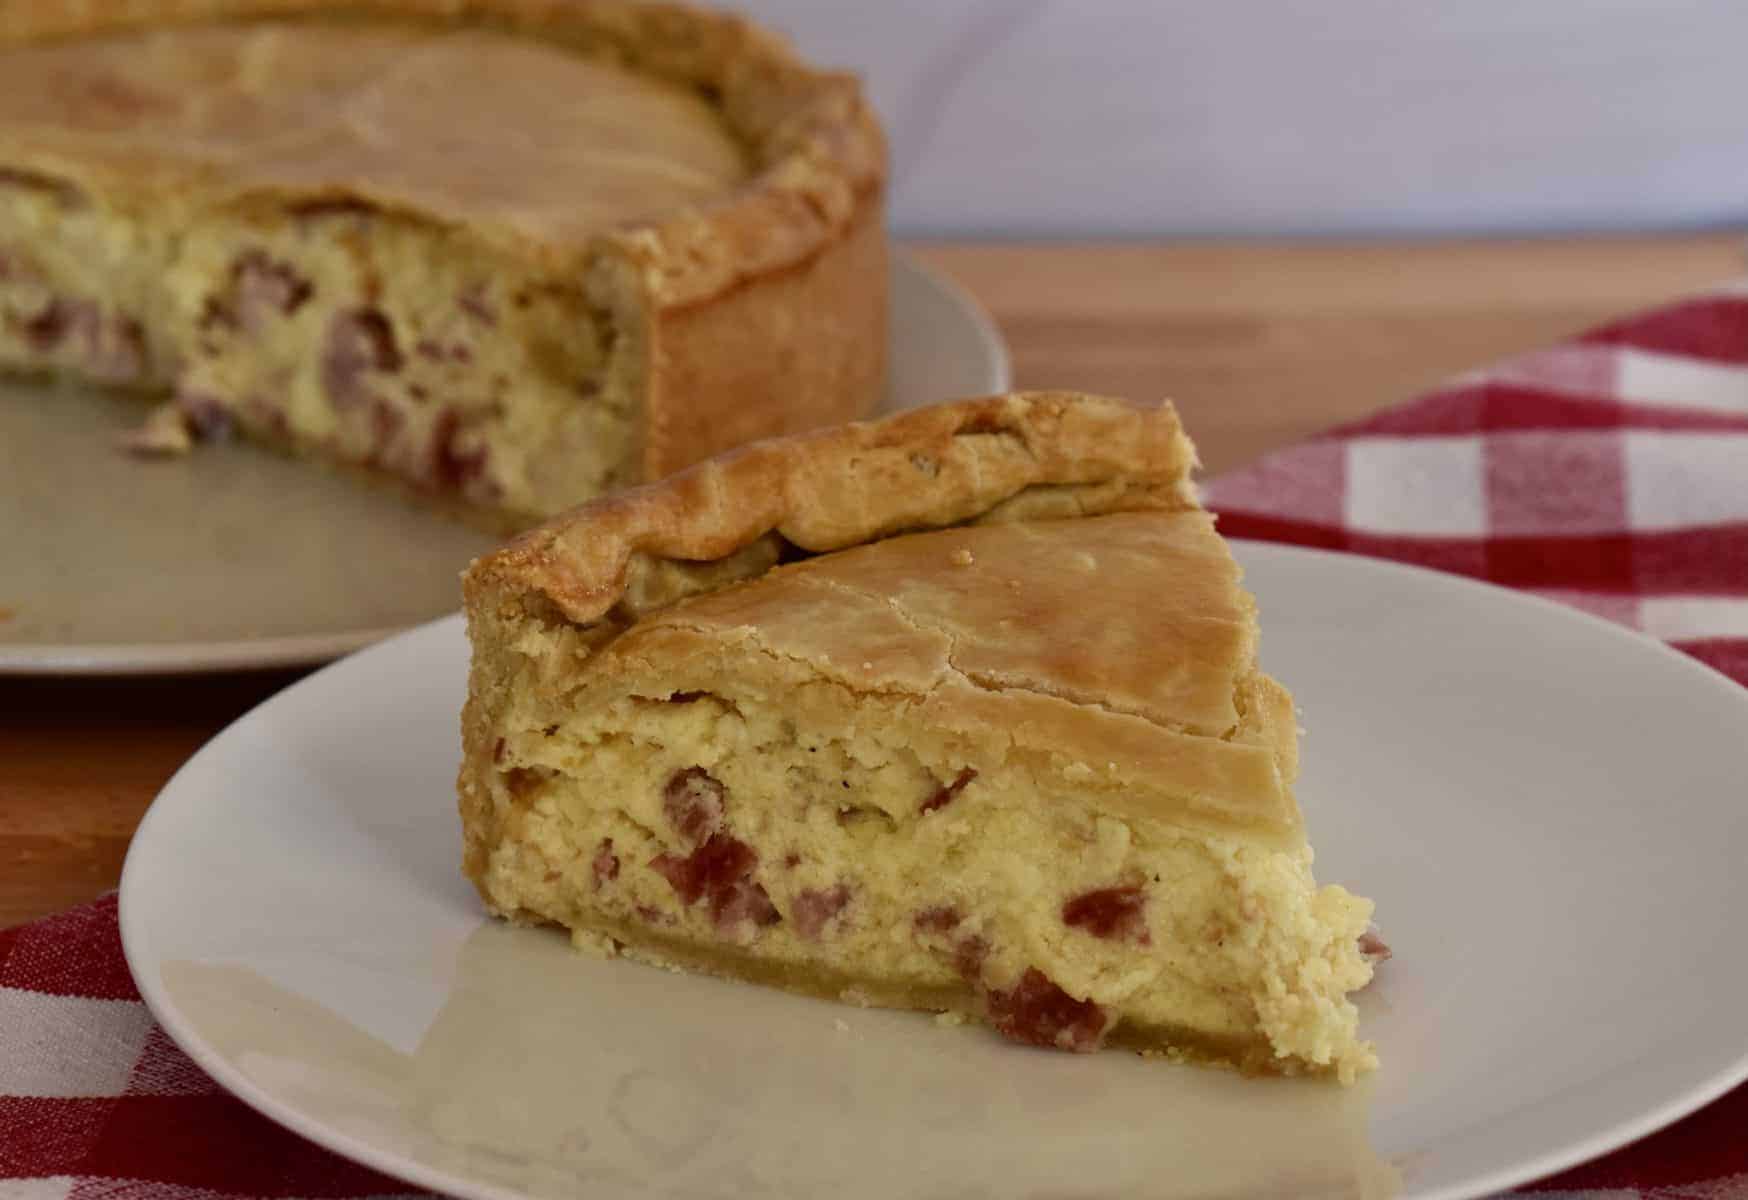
[[1057, 117]]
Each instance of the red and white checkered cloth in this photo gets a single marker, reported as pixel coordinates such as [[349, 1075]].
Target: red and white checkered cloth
[[1610, 472]]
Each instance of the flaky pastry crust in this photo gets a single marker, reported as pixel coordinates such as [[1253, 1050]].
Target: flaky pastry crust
[[1166, 700], [1023, 456]]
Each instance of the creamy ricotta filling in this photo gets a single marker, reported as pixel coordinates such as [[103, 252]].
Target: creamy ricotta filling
[[709, 822]]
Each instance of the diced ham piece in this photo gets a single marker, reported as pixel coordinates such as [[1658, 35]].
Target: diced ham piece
[[1035, 1010], [1039, 1013], [720, 873], [1372, 947], [1118, 913], [693, 803], [744, 902]]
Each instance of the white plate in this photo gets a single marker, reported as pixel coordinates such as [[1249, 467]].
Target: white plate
[[1547, 809], [237, 557]]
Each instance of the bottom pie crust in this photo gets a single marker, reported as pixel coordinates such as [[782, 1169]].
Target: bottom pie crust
[[626, 939]]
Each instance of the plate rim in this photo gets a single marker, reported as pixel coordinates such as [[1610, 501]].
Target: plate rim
[[121, 659], [1665, 1111]]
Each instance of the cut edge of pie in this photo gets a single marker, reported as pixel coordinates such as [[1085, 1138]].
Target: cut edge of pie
[[496, 357], [956, 710]]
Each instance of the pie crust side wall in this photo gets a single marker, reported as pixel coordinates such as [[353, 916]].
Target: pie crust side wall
[[787, 351], [1250, 1055]]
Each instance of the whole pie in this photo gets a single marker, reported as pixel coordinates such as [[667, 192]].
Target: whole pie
[[958, 711], [511, 252]]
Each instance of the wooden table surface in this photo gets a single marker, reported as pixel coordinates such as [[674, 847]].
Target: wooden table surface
[[1260, 344]]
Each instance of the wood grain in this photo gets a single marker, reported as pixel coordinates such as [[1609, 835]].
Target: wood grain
[[80, 759], [1259, 344]]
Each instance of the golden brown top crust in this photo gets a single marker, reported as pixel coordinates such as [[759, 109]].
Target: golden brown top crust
[[996, 459], [470, 124], [815, 152], [1138, 613]]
